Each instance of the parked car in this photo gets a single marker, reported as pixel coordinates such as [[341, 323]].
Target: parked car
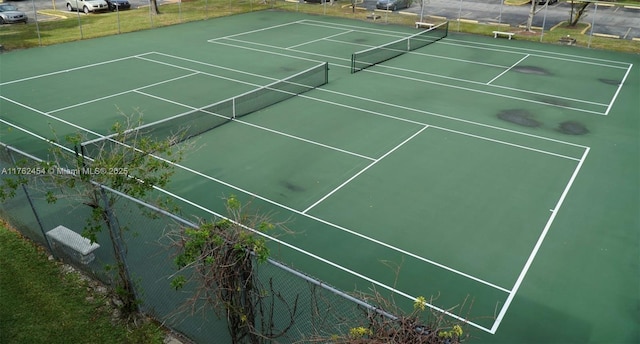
[[10, 14], [118, 5], [87, 5], [393, 5], [551, 2]]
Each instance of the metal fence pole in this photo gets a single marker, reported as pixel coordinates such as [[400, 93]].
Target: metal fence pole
[[114, 228], [35, 14], [33, 208], [593, 23], [459, 15], [544, 20]]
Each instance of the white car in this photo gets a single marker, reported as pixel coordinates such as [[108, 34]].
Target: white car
[[87, 5], [10, 14]]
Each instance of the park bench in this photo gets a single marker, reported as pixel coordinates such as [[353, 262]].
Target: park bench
[[72, 243], [423, 24], [496, 34]]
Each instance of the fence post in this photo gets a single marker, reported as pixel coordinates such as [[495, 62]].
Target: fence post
[[114, 229], [33, 209]]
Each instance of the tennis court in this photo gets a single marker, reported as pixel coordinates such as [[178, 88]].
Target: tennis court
[[470, 163]]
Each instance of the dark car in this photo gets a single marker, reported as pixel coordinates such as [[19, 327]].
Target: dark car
[[551, 2], [118, 5], [393, 5]]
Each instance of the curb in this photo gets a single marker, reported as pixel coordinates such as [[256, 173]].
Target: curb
[[605, 35]]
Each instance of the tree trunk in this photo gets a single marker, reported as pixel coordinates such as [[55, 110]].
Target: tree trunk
[[532, 12], [154, 7], [578, 14]]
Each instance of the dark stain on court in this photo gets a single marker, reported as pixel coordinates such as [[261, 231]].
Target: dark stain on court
[[573, 128], [553, 101], [520, 117], [531, 70], [609, 81], [292, 187]]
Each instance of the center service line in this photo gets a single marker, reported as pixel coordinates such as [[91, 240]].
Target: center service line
[[364, 169], [508, 69]]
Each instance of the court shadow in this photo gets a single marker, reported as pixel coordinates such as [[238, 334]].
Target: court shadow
[[535, 322]]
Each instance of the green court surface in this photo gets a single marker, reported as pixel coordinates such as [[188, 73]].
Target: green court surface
[[498, 171]]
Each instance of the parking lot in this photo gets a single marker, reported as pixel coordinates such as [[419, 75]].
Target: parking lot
[[622, 22], [28, 6]]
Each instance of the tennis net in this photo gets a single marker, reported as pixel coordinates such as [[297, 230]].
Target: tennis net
[[186, 125], [375, 55]]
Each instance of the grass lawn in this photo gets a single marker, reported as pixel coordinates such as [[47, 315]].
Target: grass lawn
[[41, 304]]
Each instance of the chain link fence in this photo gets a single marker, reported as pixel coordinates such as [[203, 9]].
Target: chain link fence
[[56, 21], [296, 308]]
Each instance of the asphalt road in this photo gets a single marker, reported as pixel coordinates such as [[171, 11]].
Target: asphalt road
[[623, 22]]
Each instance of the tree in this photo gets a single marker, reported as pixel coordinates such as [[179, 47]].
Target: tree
[[154, 6], [219, 258], [577, 12], [128, 161], [390, 323]]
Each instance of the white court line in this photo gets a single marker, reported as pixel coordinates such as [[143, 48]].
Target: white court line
[[121, 93], [298, 138], [508, 144], [495, 47], [508, 69], [532, 256], [545, 94], [446, 117], [354, 28], [438, 127], [70, 69], [540, 53], [414, 52], [286, 55], [381, 115], [369, 70], [328, 262], [305, 140], [317, 40], [391, 105], [425, 81], [618, 90], [364, 169], [37, 136], [257, 30], [48, 115]]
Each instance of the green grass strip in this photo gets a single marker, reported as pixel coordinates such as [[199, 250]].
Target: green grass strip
[[40, 304]]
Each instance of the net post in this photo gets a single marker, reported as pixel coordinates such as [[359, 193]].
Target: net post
[[326, 73], [353, 63], [233, 108]]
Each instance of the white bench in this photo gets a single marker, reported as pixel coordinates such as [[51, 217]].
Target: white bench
[[502, 33], [73, 243], [422, 24]]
